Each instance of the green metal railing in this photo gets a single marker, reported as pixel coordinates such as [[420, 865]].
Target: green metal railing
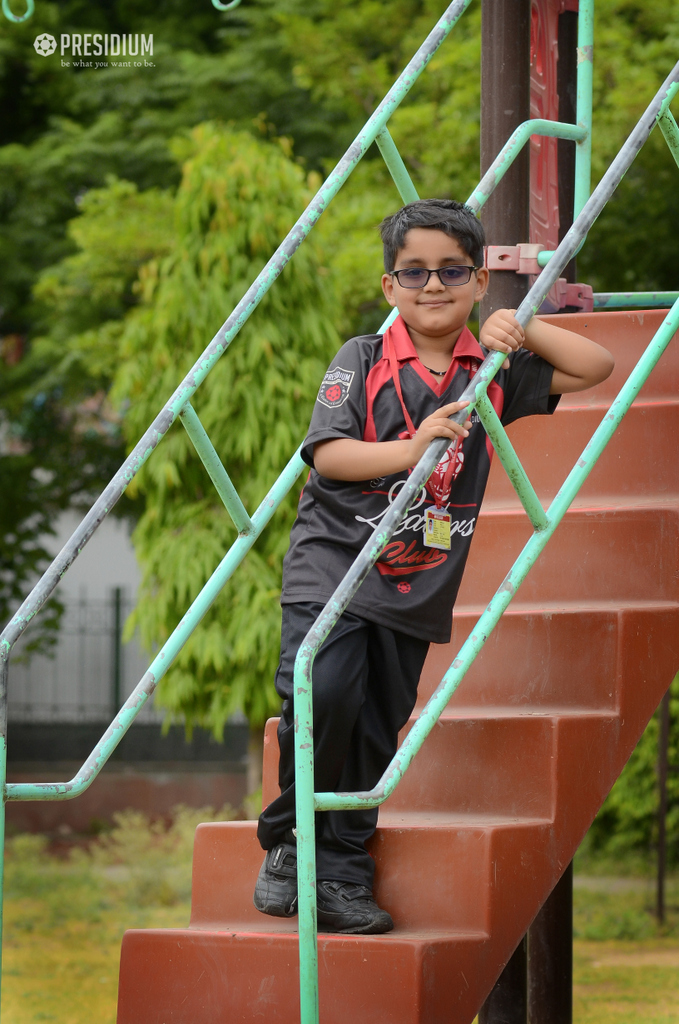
[[544, 524], [250, 527], [18, 18]]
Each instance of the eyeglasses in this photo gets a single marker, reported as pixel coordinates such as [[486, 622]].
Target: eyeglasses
[[418, 277]]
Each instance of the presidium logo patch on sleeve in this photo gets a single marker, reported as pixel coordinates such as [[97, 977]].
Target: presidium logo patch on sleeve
[[334, 389]]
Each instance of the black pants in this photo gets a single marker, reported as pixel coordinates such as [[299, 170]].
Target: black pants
[[365, 680]]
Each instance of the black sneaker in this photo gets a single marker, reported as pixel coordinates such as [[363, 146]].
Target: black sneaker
[[276, 888], [350, 909]]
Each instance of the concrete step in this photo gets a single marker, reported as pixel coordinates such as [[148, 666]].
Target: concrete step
[[497, 801], [541, 656], [625, 335], [184, 976], [410, 850], [598, 553], [644, 441]]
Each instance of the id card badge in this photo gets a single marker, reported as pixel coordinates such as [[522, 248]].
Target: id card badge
[[437, 529]]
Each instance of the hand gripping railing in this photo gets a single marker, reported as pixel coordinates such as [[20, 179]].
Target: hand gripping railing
[[307, 802]]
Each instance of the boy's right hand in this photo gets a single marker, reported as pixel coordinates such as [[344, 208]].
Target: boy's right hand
[[438, 425]]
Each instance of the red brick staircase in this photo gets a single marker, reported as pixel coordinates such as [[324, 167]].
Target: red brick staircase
[[498, 800]]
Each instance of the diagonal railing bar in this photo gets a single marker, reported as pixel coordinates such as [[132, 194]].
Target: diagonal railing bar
[[166, 656], [511, 149], [625, 300], [512, 581], [396, 166], [223, 338], [668, 126], [511, 463], [306, 800], [215, 468]]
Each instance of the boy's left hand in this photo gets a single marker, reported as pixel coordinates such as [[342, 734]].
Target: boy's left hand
[[502, 332]]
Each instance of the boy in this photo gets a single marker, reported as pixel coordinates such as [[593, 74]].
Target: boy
[[381, 403]]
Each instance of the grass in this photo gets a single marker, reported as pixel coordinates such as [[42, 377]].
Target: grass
[[626, 982], [65, 916]]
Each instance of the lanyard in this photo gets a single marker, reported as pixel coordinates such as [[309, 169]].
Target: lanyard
[[391, 355], [441, 480]]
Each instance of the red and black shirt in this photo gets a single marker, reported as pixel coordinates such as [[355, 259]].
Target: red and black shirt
[[411, 588]]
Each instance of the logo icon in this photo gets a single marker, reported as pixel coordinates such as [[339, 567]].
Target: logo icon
[[334, 389], [45, 44], [403, 587]]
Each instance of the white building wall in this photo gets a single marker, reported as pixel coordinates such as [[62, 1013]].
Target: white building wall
[[77, 683]]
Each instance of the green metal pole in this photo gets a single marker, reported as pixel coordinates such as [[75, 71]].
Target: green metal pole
[[668, 126], [213, 464], [395, 166], [625, 300], [583, 149], [117, 652], [166, 656], [512, 466], [7, 11], [511, 149]]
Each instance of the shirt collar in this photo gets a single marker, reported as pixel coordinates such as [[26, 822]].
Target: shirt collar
[[465, 346]]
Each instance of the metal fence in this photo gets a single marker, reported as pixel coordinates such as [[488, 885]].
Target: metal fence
[[90, 671]]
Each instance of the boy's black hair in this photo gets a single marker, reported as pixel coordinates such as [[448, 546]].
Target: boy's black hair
[[454, 219]]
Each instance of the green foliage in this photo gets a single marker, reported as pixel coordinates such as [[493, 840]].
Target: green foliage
[[62, 437], [119, 266], [139, 863], [627, 822], [630, 247], [237, 199], [614, 909], [88, 293]]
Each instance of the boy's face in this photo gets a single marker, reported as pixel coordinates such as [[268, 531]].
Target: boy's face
[[437, 310]]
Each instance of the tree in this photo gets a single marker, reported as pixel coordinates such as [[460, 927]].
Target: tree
[[628, 821], [237, 199], [117, 264]]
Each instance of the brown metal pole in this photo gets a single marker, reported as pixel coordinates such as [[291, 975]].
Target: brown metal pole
[[550, 957], [663, 748], [505, 103], [550, 937], [507, 1004]]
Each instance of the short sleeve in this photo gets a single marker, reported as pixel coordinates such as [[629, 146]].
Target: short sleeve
[[340, 408], [526, 387]]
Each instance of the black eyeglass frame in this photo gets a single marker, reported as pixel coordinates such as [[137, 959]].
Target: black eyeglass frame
[[456, 266]]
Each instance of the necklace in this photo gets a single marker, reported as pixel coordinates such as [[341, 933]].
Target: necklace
[[437, 373]]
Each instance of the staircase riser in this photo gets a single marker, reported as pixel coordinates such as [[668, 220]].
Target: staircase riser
[[192, 978], [602, 555], [227, 859], [482, 765], [646, 438], [625, 335], [534, 660], [486, 766]]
